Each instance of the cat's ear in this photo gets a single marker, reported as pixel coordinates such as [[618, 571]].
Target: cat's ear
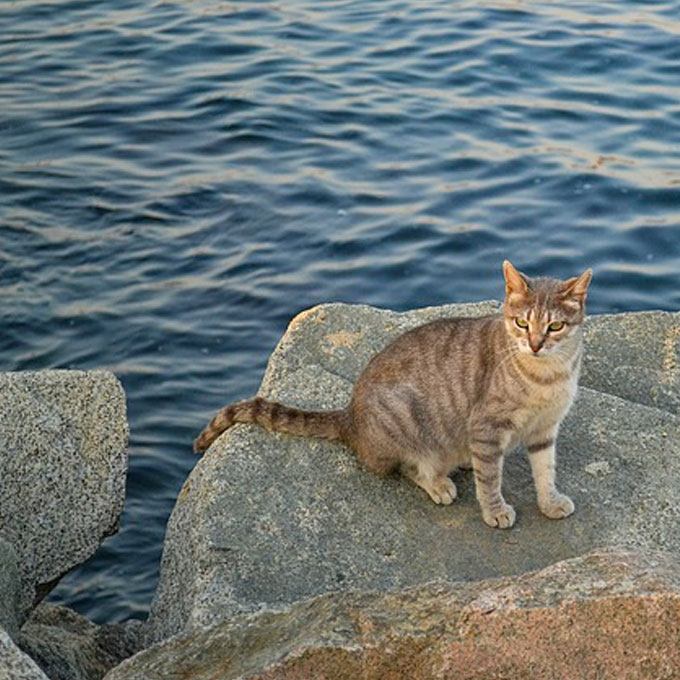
[[577, 288], [515, 281]]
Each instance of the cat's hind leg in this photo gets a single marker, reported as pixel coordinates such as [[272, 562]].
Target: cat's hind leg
[[428, 473], [436, 483]]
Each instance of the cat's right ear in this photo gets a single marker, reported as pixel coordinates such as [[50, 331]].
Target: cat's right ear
[[515, 281], [577, 288]]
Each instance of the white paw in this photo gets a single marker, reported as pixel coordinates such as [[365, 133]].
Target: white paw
[[442, 491], [557, 506], [503, 518]]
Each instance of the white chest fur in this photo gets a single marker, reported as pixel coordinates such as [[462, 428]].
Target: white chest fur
[[549, 396]]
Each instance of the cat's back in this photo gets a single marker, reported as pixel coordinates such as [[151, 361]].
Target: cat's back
[[453, 349]]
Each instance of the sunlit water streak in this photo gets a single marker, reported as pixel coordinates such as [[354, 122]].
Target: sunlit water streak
[[179, 179]]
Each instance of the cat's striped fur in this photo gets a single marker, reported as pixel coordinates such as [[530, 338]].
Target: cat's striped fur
[[459, 392]]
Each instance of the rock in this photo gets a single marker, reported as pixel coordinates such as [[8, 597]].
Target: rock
[[67, 646], [63, 463], [14, 664], [269, 520], [635, 356], [9, 589], [608, 614]]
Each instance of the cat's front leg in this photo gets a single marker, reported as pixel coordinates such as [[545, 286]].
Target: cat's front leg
[[541, 449], [487, 463]]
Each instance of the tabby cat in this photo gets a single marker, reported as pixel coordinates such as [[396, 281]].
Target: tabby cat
[[458, 392]]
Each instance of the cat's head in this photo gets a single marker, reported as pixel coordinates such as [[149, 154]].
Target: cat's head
[[541, 313]]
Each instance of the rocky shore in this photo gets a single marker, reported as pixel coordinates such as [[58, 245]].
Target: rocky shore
[[284, 558]]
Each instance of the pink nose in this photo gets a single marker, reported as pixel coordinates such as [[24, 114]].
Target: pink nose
[[535, 345]]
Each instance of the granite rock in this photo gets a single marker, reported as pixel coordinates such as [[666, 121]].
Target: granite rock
[[63, 464], [9, 589], [266, 520], [609, 614], [635, 356], [68, 646], [14, 664]]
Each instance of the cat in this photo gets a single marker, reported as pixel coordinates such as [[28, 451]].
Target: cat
[[458, 392]]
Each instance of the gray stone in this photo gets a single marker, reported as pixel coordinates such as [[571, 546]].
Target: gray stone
[[9, 589], [635, 356], [266, 520], [63, 464], [610, 614], [14, 664], [67, 646]]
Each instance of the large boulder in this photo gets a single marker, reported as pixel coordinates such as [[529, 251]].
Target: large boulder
[[266, 520], [611, 614], [63, 464]]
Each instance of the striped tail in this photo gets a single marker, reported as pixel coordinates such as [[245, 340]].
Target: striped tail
[[275, 418]]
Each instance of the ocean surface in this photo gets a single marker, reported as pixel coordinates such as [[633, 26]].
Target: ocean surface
[[179, 179]]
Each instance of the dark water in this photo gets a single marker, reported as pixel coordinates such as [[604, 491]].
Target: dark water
[[178, 179]]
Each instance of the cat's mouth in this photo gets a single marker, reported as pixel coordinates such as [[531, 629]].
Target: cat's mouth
[[539, 352]]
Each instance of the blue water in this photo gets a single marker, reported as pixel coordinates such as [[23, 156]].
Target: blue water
[[179, 179]]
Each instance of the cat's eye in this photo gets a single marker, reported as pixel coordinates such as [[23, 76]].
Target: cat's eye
[[522, 323], [556, 326]]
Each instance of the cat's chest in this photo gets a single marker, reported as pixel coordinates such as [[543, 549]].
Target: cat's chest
[[548, 404]]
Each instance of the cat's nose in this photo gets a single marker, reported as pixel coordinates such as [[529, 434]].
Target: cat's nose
[[536, 344]]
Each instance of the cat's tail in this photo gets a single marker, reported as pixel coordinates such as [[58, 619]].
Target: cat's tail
[[276, 417]]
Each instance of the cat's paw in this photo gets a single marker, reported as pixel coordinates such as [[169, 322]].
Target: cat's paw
[[557, 506], [503, 518], [442, 491]]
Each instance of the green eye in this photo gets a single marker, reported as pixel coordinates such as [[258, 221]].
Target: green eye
[[556, 326], [522, 323]]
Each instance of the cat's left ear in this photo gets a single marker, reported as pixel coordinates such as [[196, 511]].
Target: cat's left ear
[[515, 281], [577, 288]]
